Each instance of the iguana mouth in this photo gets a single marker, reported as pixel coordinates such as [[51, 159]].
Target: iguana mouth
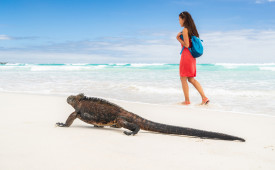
[[70, 99]]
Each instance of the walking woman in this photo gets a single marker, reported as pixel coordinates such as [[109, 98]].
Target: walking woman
[[187, 66]]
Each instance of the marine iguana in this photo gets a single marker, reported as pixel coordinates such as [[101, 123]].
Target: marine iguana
[[100, 112]]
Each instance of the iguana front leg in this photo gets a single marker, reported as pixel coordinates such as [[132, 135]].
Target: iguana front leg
[[69, 121]]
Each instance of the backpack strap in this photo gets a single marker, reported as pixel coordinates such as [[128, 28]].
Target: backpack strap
[[181, 50]]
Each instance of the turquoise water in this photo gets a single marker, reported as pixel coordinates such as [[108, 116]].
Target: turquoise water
[[248, 88]]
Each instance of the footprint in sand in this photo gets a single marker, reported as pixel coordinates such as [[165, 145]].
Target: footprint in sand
[[271, 147]]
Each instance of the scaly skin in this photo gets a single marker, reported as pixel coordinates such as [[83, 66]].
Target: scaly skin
[[100, 113]]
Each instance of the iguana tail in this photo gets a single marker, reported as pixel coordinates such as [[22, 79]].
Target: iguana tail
[[169, 129]]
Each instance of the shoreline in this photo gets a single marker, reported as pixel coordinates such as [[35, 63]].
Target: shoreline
[[144, 83], [30, 138], [156, 104]]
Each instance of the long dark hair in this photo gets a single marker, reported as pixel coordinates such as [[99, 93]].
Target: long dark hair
[[189, 24]]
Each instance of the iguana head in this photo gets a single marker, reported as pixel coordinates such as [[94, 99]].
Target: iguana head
[[74, 100]]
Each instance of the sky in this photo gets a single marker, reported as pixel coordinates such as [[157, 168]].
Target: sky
[[131, 31]]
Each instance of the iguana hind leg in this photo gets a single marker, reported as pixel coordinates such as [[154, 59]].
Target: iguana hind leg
[[69, 121], [115, 126], [131, 126]]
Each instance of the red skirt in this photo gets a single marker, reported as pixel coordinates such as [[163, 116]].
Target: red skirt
[[187, 66]]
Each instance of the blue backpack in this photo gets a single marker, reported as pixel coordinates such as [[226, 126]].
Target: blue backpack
[[197, 49]]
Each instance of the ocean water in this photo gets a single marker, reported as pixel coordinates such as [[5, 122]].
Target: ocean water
[[246, 88]]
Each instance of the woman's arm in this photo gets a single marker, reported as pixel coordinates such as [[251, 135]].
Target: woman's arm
[[185, 41]]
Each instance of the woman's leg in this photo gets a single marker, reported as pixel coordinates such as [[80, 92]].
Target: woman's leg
[[197, 85], [185, 88]]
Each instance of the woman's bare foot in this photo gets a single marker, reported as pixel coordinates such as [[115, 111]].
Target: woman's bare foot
[[205, 101], [185, 103]]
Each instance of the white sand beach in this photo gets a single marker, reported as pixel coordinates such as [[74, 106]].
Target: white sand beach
[[30, 139]]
